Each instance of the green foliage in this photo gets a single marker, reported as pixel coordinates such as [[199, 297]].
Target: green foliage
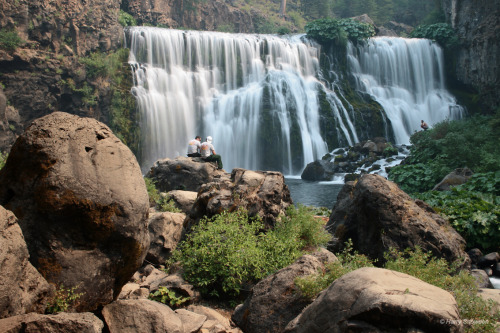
[[434, 153], [349, 260], [3, 159], [390, 150], [327, 32], [126, 20], [167, 296], [10, 40], [166, 204], [439, 273], [162, 201], [442, 33], [226, 254], [153, 193], [283, 30], [63, 300], [474, 215], [96, 65]]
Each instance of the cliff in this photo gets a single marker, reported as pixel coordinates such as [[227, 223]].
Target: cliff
[[477, 65]]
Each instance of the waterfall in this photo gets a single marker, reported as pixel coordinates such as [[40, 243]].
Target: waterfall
[[265, 100], [406, 76], [256, 95]]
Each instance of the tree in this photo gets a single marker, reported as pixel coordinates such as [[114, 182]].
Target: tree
[[282, 8]]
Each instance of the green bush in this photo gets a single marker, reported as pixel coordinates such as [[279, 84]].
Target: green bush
[[474, 215], [226, 254], [10, 40], [161, 201], [3, 159], [126, 20], [442, 33], [64, 299], [329, 31], [167, 296]]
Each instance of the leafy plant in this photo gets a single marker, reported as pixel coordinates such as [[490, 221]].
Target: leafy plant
[[63, 300], [357, 31], [167, 296], [226, 254], [167, 204], [126, 20], [3, 159], [442, 33], [10, 40], [327, 32]]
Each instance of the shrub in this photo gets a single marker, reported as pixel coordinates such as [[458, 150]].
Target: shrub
[[442, 33], [3, 159], [357, 31], [161, 201], [10, 40], [224, 255], [329, 31], [126, 20], [63, 300], [167, 296]]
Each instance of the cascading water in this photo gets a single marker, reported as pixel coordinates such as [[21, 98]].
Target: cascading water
[[256, 95], [406, 76]]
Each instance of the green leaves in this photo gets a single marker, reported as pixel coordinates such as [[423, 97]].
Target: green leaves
[[329, 31], [10, 40], [167, 296], [442, 33]]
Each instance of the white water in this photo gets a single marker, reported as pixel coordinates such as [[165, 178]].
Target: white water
[[406, 76], [209, 83], [191, 83]]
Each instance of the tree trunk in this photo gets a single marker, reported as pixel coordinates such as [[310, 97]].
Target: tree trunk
[[283, 8]]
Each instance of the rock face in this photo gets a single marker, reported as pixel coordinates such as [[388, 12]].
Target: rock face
[[61, 322], [379, 300], [377, 215], [477, 24], [261, 193], [182, 173], [210, 15], [165, 231], [22, 289], [82, 205], [275, 300]]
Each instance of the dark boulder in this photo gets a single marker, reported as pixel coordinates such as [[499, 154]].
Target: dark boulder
[[82, 204], [454, 178], [377, 215], [320, 170]]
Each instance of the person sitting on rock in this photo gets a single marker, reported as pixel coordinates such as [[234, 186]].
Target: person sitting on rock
[[194, 147], [208, 153], [424, 125]]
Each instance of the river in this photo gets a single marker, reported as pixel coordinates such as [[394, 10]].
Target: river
[[317, 194]]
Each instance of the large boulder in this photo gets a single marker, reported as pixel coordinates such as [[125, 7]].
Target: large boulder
[[377, 215], [276, 300], [82, 205], [379, 300], [261, 193], [456, 177], [182, 173], [319, 170], [62, 322], [165, 231], [184, 200], [22, 288]]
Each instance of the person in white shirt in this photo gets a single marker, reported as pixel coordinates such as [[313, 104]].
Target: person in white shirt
[[208, 153], [194, 147]]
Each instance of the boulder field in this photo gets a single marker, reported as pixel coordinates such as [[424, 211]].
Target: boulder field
[[75, 213]]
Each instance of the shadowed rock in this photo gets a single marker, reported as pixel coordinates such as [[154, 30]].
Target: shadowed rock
[[82, 204]]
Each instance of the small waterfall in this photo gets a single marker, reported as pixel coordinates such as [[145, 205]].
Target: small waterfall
[[256, 95], [406, 76]]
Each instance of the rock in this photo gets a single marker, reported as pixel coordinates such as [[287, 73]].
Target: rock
[[22, 289], [474, 255], [261, 193], [183, 173], [62, 322], [488, 260], [319, 170], [454, 178], [400, 28], [177, 284], [82, 205], [377, 215], [165, 231], [481, 278], [191, 321], [183, 200], [141, 315], [211, 314], [133, 291], [276, 300], [379, 300], [491, 294]]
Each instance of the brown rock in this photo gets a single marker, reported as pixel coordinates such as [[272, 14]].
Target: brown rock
[[82, 205], [276, 300], [379, 300], [62, 322], [165, 231], [377, 215], [22, 288], [183, 200], [454, 178]]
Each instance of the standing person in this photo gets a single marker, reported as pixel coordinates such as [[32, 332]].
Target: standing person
[[194, 147], [208, 153], [424, 125]]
